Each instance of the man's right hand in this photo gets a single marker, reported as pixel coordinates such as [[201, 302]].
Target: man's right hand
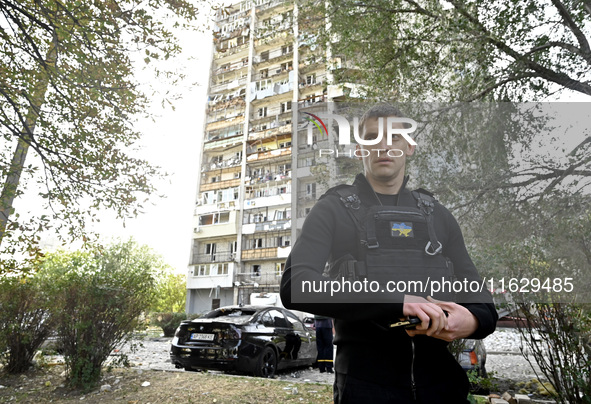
[[427, 312]]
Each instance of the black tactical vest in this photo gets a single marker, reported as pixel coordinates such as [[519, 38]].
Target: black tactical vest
[[395, 244]]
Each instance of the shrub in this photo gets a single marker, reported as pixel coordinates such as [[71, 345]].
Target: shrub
[[167, 321], [98, 299], [25, 322]]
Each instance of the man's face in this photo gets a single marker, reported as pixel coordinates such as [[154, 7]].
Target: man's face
[[384, 164]]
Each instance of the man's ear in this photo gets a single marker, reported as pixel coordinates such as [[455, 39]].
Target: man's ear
[[410, 150]]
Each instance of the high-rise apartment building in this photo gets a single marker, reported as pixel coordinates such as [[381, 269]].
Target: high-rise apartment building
[[257, 178]]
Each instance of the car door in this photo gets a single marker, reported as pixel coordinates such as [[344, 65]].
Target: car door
[[307, 342], [284, 339]]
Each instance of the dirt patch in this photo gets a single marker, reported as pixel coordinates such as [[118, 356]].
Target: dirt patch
[[135, 386]]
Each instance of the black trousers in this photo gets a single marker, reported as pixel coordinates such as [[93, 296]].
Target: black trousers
[[324, 347], [350, 390]]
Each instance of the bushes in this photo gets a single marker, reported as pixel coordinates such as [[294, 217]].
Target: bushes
[[25, 321], [97, 301], [167, 321], [91, 300]]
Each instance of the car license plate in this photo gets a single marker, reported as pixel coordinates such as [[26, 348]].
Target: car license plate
[[202, 337]]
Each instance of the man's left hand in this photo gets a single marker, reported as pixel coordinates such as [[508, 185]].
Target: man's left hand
[[460, 322]]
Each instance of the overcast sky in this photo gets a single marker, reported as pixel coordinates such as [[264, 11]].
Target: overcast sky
[[172, 142]]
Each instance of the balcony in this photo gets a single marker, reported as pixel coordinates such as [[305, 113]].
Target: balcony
[[265, 253], [218, 88], [221, 123], [269, 5], [268, 200], [276, 57], [311, 82], [233, 67], [265, 279], [266, 34], [224, 166], [271, 154], [280, 130], [223, 143], [225, 256], [216, 230], [225, 104], [268, 178], [215, 207], [229, 52], [274, 225], [210, 281], [219, 185]]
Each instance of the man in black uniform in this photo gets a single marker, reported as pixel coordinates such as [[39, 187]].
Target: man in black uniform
[[376, 363]]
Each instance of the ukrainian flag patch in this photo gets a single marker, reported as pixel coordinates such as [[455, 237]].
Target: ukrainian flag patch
[[402, 229]]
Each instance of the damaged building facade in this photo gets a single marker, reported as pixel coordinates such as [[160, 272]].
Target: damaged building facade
[[257, 179]]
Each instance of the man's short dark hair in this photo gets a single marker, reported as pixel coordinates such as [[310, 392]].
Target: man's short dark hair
[[378, 111]]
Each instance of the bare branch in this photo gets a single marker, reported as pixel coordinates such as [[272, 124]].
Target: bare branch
[[572, 25]]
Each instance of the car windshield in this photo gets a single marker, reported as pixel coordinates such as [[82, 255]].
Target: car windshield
[[237, 312]]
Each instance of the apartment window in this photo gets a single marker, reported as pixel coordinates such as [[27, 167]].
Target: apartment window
[[287, 15], [285, 106], [283, 214], [256, 270], [311, 189], [223, 217], [284, 145], [258, 218], [263, 84], [237, 175], [257, 243], [264, 56], [311, 79], [215, 218], [264, 73], [286, 66], [279, 268], [284, 241], [216, 179], [286, 49], [262, 112], [210, 248], [203, 270], [217, 159], [222, 269]]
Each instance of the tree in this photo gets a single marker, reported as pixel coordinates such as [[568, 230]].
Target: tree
[[171, 292], [68, 93], [460, 50], [507, 170]]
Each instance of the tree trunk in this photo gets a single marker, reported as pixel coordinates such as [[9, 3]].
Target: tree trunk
[[17, 164]]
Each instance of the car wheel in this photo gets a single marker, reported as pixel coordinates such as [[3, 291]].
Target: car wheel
[[266, 363]]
